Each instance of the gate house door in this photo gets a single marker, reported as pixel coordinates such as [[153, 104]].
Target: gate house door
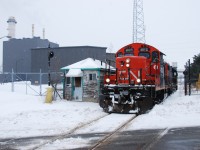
[[78, 89]]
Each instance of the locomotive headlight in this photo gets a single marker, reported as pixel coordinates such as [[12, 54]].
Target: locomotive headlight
[[138, 80], [127, 65], [107, 80], [128, 60]]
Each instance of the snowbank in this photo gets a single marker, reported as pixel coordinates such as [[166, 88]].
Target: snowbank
[[24, 115], [176, 111]]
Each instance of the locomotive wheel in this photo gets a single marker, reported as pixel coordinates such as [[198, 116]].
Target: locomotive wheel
[[144, 105], [118, 108], [157, 101], [104, 104], [160, 95], [126, 109], [105, 109]]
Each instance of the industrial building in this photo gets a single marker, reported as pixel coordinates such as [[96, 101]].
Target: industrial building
[[17, 53], [17, 56], [64, 56], [29, 56]]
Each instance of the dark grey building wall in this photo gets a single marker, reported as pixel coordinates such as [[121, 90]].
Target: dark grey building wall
[[64, 56], [17, 53], [31, 55], [111, 57]]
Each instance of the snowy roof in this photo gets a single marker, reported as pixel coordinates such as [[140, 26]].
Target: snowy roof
[[74, 73], [88, 63]]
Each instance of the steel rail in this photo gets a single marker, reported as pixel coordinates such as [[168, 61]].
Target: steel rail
[[62, 136], [108, 136]]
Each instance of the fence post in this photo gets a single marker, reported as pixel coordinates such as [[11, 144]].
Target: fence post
[[26, 83], [12, 77], [185, 79], [64, 86], [189, 78], [40, 82], [185, 84]]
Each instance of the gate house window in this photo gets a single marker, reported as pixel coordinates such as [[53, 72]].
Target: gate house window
[[68, 81], [92, 76]]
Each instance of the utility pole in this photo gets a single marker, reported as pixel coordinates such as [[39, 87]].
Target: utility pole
[[138, 22]]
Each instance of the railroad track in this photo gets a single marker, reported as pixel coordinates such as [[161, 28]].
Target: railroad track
[[62, 136], [120, 121], [50, 139], [109, 135], [43, 142]]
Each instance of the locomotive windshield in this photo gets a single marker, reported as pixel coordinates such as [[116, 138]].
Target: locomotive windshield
[[128, 51], [144, 49], [145, 54]]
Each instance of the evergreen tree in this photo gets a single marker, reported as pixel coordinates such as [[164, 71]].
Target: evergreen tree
[[195, 67]]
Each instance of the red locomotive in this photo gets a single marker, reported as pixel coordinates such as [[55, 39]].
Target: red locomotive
[[142, 79]]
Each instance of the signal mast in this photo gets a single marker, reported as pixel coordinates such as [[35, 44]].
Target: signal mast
[[138, 22]]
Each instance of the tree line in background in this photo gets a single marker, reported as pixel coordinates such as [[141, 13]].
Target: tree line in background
[[194, 67]]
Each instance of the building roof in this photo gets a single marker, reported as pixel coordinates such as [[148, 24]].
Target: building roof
[[70, 47], [74, 73], [86, 64]]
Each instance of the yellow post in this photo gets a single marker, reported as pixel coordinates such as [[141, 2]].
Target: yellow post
[[49, 96], [198, 83]]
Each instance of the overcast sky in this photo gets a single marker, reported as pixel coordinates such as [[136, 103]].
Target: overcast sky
[[172, 26]]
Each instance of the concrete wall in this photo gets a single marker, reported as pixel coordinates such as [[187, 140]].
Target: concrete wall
[[90, 87]]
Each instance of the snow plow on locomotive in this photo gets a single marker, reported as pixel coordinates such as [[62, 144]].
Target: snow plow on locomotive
[[141, 80]]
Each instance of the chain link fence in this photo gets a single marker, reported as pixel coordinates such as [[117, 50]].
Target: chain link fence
[[33, 83]]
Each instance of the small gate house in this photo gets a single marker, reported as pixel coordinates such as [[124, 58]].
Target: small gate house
[[83, 80]]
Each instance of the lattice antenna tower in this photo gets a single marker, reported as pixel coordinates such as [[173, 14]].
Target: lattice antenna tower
[[138, 22]]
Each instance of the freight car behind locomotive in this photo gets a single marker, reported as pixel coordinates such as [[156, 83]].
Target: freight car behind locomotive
[[142, 79]]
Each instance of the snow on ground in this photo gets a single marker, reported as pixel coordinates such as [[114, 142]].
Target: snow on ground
[[177, 110], [24, 115]]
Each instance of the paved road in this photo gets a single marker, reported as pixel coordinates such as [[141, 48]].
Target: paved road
[[172, 139], [166, 139]]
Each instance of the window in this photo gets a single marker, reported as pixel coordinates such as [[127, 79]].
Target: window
[[92, 76], [155, 57], [119, 54], [144, 49], [68, 81], [128, 51], [145, 54]]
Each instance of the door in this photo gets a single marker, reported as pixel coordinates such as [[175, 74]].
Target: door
[[78, 89]]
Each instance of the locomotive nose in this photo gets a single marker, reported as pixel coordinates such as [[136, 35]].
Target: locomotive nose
[[130, 69]]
